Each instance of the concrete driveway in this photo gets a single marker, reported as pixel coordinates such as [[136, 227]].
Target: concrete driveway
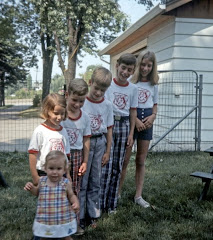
[[15, 131]]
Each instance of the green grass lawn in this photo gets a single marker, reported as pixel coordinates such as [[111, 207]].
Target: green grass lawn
[[175, 211]]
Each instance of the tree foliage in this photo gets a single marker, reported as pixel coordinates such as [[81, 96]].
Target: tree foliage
[[149, 3], [78, 24], [65, 27], [35, 21], [12, 65], [88, 73], [57, 84], [13, 60], [29, 82]]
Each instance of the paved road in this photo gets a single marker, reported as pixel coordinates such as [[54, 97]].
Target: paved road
[[15, 131], [14, 111]]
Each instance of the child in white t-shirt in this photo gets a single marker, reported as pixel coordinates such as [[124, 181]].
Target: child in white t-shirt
[[48, 136], [146, 80], [78, 129], [101, 122], [124, 98]]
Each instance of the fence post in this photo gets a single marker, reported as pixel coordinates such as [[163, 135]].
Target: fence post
[[200, 109]]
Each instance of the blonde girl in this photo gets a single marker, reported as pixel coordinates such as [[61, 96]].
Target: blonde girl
[[146, 79], [49, 135], [56, 200]]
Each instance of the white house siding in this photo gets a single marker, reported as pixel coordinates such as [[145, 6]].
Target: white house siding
[[113, 61], [187, 44]]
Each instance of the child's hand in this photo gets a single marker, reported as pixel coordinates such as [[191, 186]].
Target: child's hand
[[82, 169], [105, 159], [32, 188], [76, 207], [140, 126], [148, 121], [130, 141], [29, 186]]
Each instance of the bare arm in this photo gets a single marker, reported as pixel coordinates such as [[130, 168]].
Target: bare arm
[[72, 198], [33, 170], [106, 156], [32, 188], [86, 147], [68, 168], [133, 115], [155, 109]]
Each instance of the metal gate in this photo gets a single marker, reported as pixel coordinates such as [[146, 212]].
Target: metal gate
[[178, 123]]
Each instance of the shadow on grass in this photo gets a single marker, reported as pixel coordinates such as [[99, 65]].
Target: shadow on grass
[[31, 112]]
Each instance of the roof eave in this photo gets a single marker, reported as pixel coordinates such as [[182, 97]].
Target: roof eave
[[176, 4], [159, 9]]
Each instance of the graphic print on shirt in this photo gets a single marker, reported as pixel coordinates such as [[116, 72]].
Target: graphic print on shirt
[[57, 144], [120, 100], [73, 134], [143, 95], [95, 121], [48, 233]]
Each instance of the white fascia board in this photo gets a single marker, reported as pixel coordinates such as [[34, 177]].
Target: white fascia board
[[142, 21]]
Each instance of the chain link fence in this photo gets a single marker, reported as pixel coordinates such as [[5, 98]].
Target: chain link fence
[[176, 128], [17, 122]]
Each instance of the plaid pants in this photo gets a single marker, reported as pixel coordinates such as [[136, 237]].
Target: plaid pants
[[111, 173], [76, 157]]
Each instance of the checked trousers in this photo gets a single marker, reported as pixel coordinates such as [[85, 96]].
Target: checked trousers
[[111, 173]]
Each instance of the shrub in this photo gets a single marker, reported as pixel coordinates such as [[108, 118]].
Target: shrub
[[37, 100]]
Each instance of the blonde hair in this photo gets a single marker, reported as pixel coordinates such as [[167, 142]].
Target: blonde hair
[[101, 76], [49, 103], [54, 155], [77, 86], [153, 76], [127, 58]]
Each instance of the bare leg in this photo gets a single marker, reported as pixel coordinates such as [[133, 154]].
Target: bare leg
[[124, 168], [68, 238], [65, 238], [142, 150]]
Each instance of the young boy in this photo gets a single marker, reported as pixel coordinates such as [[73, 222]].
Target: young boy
[[101, 121], [124, 97], [78, 128]]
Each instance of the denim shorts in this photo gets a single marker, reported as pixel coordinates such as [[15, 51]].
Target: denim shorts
[[145, 134]]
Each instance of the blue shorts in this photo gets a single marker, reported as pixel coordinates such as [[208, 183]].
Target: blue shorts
[[145, 134]]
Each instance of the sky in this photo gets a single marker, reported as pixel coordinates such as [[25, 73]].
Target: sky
[[134, 10]]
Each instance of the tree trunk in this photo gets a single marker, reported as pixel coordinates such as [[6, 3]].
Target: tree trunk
[[71, 71], [47, 57], [2, 100], [47, 73]]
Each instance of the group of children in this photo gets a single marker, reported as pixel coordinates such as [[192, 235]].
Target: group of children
[[79, 154]]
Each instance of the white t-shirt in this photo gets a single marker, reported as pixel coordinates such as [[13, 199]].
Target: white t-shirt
[[147, 94], [46, 139], [77, 129], [101, 115], [122, 97]]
